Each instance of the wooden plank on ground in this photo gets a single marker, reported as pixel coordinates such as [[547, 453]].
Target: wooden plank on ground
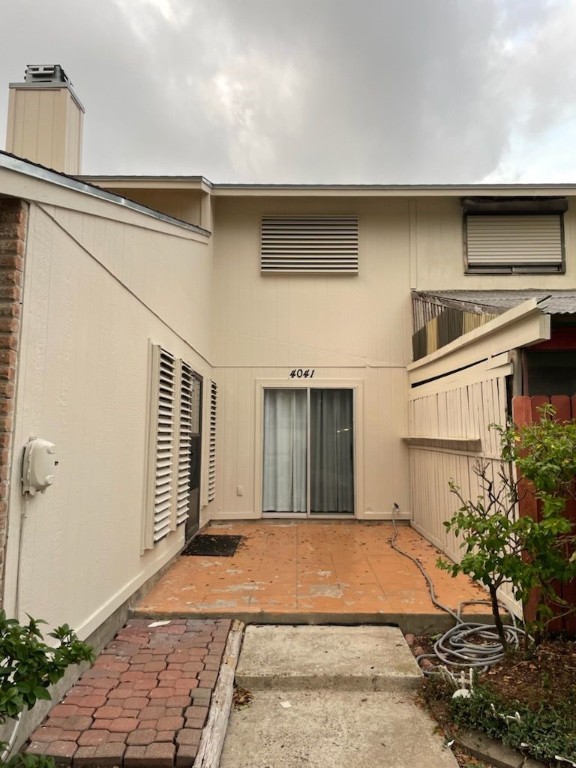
[[214, 733]]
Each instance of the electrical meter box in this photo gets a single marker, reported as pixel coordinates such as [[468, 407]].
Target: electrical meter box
[[38, 466]]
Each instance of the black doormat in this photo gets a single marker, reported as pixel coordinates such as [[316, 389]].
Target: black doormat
[[213, 546]]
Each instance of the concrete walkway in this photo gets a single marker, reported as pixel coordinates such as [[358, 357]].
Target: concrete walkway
[[330, 696], [322, 696]]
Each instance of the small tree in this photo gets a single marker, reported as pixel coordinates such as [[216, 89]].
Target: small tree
[[502, 548], [28, 666]]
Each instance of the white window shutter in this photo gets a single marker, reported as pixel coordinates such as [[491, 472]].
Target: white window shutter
[[212, 447], [186, 392], [309, 244], [161, 446]]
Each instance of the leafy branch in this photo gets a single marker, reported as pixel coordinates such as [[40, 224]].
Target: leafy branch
[[28, 666], [501, 547]]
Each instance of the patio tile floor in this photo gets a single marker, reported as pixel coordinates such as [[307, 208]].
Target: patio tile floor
[[323, 571]]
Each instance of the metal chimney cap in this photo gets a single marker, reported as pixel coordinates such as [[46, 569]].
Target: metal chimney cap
[[46, 73]]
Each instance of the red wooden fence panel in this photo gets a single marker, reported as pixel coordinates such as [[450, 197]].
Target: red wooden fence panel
[[525, 411]]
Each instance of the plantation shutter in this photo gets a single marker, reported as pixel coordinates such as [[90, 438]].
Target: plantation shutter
[[162, 443], [212, 447], [514, 241], [310, 244], [185, 400]]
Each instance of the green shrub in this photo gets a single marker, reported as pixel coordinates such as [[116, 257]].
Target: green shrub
[[29, 666], [502, 548], [545, 734]]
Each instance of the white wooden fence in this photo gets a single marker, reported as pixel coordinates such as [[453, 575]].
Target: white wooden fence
[[449, 434]]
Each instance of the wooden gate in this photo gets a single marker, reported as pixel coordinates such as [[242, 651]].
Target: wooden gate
[[525, 411]]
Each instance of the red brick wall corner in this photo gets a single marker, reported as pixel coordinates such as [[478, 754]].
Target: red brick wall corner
[[13, 227]]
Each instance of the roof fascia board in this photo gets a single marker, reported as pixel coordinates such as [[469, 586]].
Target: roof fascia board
[[27, 180], [328, 190], [222, 190], [39, 192], [150, 182]]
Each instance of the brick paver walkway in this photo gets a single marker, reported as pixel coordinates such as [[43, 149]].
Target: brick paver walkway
[[143, 703]]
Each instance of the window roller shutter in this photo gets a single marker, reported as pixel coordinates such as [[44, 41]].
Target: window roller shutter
[[514, 240]]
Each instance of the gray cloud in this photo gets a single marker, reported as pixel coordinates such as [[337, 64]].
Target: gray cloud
[[307, 90]]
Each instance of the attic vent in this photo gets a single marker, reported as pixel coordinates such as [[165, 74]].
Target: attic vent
[[514, 243], [212, 452], [310, 244]]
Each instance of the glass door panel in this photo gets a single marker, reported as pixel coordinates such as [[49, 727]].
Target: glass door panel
[[285, 451], [308, 452], [331, 451]]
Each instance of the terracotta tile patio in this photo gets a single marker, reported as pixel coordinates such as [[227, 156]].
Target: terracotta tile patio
[[317, 571]]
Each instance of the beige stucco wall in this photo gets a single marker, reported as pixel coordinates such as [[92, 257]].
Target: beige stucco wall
[[97, 291], [352, 330], [345, 328], [182, 204], [437, 236]]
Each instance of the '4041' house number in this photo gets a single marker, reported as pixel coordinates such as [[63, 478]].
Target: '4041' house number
[[302, 373]]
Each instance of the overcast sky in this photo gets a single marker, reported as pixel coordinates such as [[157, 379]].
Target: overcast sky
[[385, 91]]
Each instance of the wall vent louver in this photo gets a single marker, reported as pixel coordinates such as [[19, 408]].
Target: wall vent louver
[[309, 244]]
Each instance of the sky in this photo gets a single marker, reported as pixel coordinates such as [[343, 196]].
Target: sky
[[312, 91]]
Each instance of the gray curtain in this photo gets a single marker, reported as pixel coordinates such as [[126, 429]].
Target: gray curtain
[[331, 451]]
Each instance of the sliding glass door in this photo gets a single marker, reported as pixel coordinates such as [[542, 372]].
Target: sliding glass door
[[285, 439], [308, 452], [331, 452]]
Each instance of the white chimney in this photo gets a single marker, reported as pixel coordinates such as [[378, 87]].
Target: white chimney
[[45, 119]]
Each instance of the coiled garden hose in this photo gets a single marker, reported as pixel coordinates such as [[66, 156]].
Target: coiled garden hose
[[467, 644]]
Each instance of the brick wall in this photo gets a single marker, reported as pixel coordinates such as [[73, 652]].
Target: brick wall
[[13, 223]]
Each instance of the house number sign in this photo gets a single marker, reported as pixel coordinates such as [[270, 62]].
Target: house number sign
[[302, 373]]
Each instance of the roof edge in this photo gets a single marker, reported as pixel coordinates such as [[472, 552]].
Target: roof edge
[[26, 167]]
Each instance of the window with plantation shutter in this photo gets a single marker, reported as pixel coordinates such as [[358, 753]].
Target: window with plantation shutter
[[514, 243], [162, 444], [212, 451], [175, 397], [309, 244]]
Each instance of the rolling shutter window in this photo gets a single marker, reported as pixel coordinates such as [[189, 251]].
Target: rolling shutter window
[[162, 442], [514, 243], [212, 451], [185, 402], [310, 244]]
